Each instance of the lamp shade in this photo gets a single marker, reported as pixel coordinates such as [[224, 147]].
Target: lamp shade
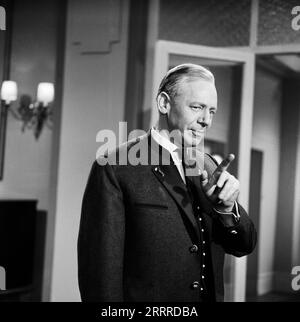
[[45, 93], [9, 91]]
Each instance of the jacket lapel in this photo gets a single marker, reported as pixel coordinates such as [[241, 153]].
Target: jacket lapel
[[168, 175]]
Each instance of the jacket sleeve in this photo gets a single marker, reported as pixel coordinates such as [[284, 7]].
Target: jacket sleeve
[[101, 237], [238, 240]]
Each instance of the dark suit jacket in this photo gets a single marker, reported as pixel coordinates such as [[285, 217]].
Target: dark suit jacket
[[137, 225]]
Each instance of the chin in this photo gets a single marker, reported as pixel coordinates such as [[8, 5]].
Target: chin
[[192, 141]]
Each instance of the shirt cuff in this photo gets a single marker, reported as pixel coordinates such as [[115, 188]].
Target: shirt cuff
[[229, 219]]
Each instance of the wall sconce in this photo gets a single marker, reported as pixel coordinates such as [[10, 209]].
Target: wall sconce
[[34, 115]]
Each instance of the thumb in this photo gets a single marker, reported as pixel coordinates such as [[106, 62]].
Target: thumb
[[204, 178]]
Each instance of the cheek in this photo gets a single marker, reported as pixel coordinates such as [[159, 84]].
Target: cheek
[[181, 118], [187, 116], [184, 122], [176, 118]]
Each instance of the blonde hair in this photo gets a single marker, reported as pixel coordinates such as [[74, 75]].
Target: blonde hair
[[187, 72]]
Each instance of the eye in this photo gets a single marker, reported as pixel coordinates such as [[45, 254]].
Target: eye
[[212, 112], [196, 107]]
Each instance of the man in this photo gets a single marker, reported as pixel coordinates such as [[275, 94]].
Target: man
[[152, 233]]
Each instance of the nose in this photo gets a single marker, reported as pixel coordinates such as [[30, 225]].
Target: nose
[[204, 117]]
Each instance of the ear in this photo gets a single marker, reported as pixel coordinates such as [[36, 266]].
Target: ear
[[163, 102]]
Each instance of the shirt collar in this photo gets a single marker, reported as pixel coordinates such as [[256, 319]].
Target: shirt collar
[[165, 142]]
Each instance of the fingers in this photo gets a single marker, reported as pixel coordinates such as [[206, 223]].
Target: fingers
[[223, 177], [223, 166], [221, 188], [225, 190], [230, 188], [204, 178], [204, 182], [229, 194]]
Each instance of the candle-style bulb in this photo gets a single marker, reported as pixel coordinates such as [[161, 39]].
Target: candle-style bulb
[[45, 93], [9, 91]]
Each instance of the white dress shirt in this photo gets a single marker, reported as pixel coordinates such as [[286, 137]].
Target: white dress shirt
[[171, 148]]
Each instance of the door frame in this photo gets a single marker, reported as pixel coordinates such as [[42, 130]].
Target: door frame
[[163, 50]]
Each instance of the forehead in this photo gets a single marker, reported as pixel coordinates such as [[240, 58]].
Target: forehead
[[197, 89]]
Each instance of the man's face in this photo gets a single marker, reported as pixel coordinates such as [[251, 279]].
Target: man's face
[[192, 110]]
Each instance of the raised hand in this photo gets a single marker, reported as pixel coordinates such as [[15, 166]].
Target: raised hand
[[222, 188]]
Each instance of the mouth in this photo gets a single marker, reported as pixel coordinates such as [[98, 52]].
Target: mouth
[[198, 133]]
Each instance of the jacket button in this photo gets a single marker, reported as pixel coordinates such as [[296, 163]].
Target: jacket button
[[195, 285], [194, 249]]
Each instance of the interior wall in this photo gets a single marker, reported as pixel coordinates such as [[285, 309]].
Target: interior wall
[[221, 122], [206, 22], [33, 59], [266, 138], [93, 99]]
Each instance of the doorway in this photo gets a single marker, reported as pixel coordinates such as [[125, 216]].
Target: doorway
[[274, 193], [236, 68]]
